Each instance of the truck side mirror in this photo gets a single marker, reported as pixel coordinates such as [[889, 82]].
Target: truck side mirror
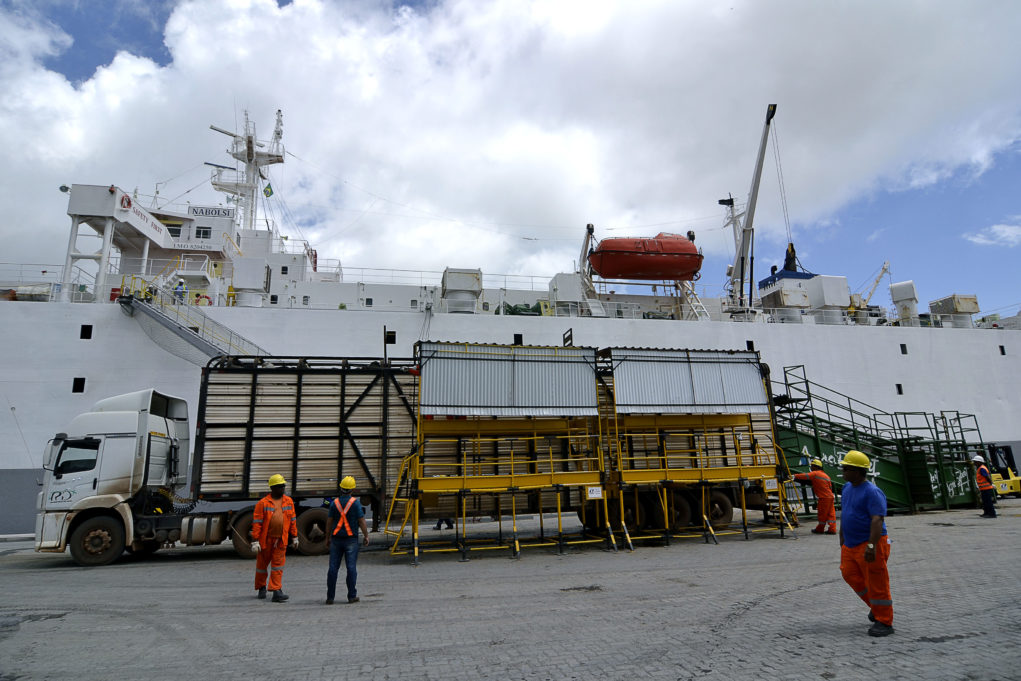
[[52, 447]]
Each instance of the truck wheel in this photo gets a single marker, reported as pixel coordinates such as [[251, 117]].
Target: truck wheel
[[241, 536], [97, 541], [721, 510], [312, 539], [680, 511]]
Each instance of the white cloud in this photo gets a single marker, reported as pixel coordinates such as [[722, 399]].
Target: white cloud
[[460, 132], [997, 235]]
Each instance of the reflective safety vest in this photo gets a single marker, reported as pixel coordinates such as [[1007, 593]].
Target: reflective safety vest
[[982, 478], [343, 517]]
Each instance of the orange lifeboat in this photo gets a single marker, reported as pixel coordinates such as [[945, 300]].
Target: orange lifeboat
[[668, 257]]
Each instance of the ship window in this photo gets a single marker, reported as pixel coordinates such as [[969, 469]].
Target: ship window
[[750, 345], [78, 384], [273, 299], [304, 300], [283, 269], [903, 348], [86, 333], [203, 232], [368, 302], [485, 307], [900, 389], [414, 304], [519, 339], [1003, 350], [174, 231]]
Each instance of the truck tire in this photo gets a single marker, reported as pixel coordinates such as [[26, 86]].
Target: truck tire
[[241, 535], [97, 541], [312, 539], [721, 510], [680, 511]]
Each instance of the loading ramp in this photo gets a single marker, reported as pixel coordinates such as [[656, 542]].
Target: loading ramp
[[920, 460]]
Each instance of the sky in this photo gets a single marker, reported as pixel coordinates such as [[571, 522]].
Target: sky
[[474, 133]]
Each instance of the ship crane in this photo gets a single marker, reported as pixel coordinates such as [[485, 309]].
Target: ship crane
[[859, 302], [742, 269]]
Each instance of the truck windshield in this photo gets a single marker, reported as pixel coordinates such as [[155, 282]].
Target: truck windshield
[[77, 456]]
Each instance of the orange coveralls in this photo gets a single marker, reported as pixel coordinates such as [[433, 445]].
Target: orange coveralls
[[822, 486], [272, 526]]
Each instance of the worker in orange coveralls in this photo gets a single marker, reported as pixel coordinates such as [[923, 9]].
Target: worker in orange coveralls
[[272, 526], [864, 543], [823, 488]]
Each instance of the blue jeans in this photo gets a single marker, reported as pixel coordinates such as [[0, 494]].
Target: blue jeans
[[343, 549]]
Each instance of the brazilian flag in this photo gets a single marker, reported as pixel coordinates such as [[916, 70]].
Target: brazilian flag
[[268, 191]]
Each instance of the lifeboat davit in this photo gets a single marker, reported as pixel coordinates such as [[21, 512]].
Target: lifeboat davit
[[668, 257]]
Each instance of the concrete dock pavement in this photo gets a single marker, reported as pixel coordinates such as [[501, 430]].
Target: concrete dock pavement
[[766, 608]]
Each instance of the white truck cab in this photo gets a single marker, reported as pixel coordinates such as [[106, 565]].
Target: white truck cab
[[116, 466]]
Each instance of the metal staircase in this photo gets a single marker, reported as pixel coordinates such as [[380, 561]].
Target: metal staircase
[[180, 328], [919, 459]]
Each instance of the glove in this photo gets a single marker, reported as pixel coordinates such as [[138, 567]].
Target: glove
[[256, 547], [294, 542]]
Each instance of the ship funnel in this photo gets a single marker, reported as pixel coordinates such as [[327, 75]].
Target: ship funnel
[[906, 300]]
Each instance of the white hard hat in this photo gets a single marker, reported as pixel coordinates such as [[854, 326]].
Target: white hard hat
[[180, 281], [978, 459]]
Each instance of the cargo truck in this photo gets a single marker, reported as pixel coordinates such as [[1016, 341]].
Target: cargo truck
[[122, 477]]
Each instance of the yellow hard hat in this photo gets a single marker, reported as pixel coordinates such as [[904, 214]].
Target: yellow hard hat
[[816, 462], [277, 480], [856, 459], [347, 483]]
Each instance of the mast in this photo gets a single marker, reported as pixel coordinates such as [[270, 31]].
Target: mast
[[247, 149], [743, 228]]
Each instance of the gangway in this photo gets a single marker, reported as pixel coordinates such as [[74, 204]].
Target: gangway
[[193, 335]]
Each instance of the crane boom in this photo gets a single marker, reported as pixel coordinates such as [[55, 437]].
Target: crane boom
[[882, 270], [741, 269]]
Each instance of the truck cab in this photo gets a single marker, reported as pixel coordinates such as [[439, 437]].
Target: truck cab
[[110, 478]]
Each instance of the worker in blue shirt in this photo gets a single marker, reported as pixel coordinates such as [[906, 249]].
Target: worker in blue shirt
[[864, 543], [345, 511]]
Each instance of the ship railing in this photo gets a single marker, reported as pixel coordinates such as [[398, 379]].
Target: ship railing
[[611, 310], [43, 283], [515, 282]]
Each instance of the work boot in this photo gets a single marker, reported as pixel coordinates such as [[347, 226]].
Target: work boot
[[831, 531], [880, 629], [353, 600], [450, 526], [279, 596], [816, 530], [438, 526], [329, 601], [262, 592]]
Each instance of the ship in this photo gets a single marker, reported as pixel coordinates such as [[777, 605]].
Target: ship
[[171, 288]]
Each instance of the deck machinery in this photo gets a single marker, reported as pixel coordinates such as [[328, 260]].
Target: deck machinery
[[640, 443]]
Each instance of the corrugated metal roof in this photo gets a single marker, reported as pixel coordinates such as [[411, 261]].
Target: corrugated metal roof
[[688, 382], [461, 379]]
